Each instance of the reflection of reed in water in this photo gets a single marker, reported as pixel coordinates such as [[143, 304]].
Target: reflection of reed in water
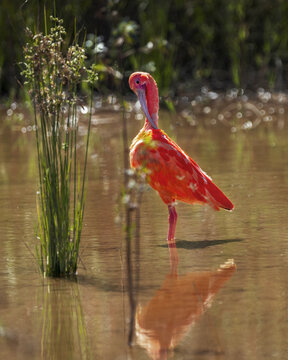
[[63, 331], [132, 196], [168, 316]]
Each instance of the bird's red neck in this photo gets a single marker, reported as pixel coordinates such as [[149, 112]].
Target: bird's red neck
[[152, 102]]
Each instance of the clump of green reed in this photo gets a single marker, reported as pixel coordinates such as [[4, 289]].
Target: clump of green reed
[[53, 74]]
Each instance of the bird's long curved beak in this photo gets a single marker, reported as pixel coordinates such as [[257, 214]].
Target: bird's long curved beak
[[142, 98]]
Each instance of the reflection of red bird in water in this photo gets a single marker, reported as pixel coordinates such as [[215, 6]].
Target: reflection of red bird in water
[[169, 169], [168, 316]]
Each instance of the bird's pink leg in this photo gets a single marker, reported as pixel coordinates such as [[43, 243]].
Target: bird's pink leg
[[172, 225], [171, 239]]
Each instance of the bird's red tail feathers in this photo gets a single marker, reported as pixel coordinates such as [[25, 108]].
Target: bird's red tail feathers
[[217, 198]]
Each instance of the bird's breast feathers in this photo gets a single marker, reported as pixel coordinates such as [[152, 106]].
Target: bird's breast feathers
[[167, 166], [172, 172]]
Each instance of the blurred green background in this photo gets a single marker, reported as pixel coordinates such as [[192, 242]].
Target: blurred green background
[[184, 44]]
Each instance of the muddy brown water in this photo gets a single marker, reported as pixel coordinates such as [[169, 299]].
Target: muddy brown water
[[211, 310]]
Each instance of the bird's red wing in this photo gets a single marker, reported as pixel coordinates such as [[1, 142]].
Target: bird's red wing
[[176, 176]]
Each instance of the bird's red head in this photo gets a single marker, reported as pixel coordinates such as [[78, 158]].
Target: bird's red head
[[145, 88]]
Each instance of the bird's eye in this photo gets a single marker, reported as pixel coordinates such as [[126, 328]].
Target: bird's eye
[[137, 81]]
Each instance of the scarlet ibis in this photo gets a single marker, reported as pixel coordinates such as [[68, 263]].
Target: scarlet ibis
[[169, 170]]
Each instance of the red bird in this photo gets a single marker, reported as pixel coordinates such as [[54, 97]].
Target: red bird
[[169, 170]]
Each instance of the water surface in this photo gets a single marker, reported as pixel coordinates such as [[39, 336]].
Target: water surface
[[205, 311]]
